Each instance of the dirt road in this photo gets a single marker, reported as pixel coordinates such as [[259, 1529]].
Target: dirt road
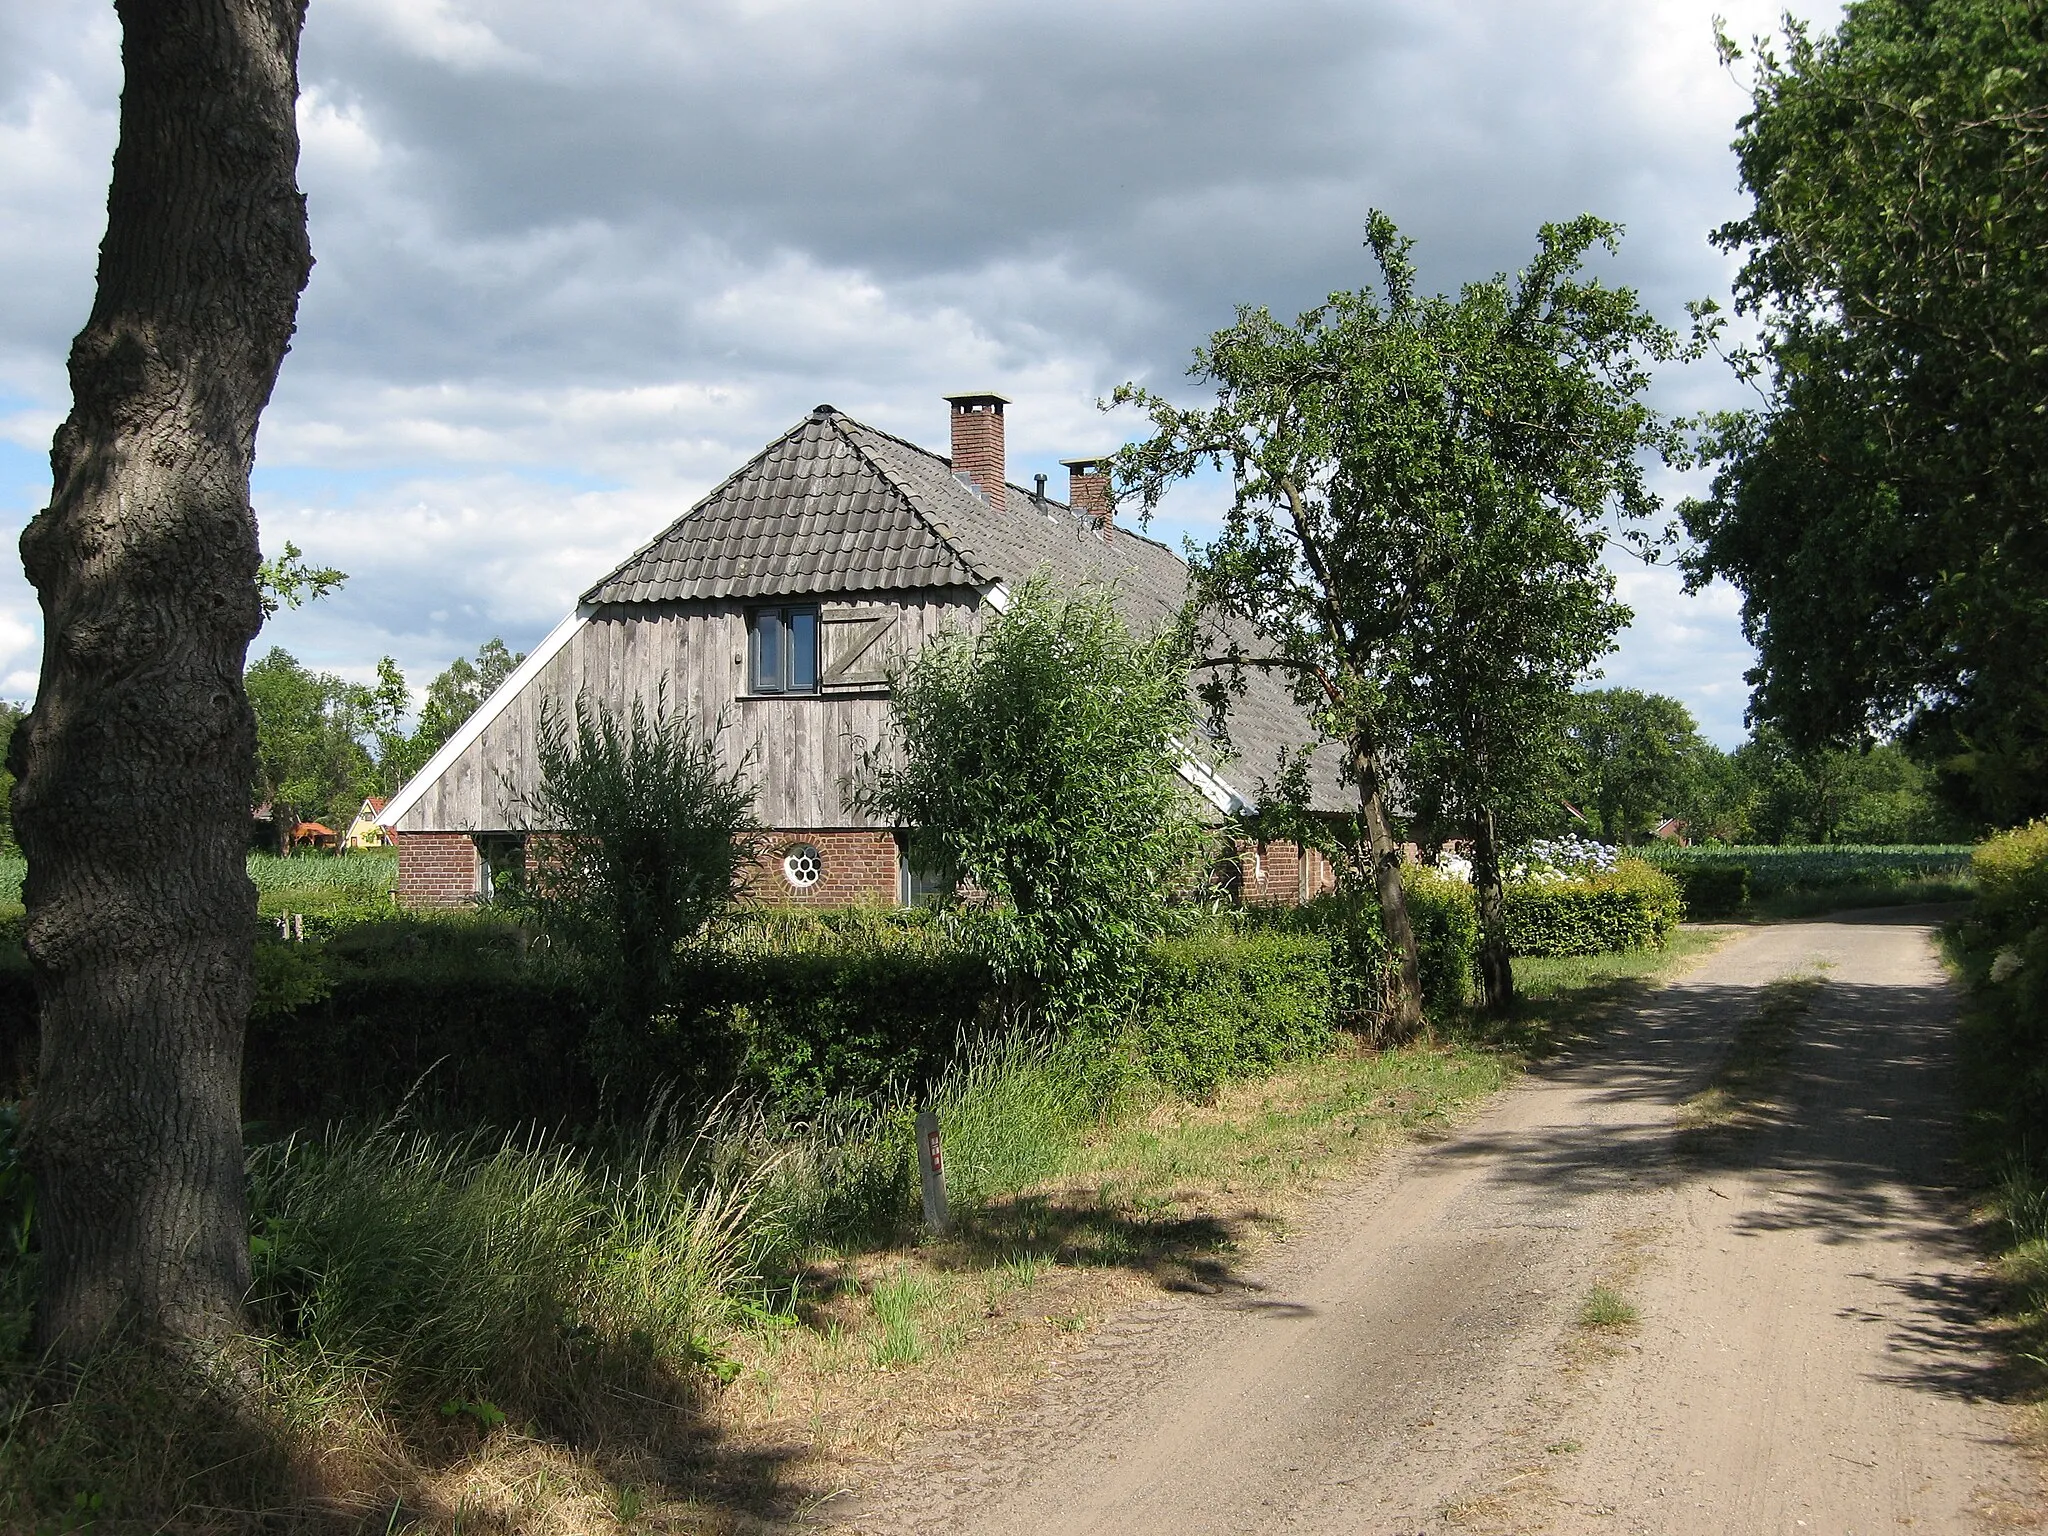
[[1807, 1356]]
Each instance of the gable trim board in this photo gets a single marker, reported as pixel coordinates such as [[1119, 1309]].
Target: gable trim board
[[467, 733]]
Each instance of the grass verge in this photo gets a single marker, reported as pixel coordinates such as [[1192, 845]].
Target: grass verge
[[726, 1321]]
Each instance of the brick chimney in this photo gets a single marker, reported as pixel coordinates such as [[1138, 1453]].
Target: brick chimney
[[1088, 490], [978, 443]]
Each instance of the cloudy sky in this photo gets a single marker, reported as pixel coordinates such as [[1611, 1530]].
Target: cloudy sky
[[578, 262]]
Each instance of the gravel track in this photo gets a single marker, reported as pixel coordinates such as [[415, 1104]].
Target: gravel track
[[1810, 1356]]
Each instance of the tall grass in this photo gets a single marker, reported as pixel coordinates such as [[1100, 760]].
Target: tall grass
[[514, 1272], [373, 871]]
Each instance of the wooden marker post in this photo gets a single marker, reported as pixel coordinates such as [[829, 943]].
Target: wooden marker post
[[931, 1168]]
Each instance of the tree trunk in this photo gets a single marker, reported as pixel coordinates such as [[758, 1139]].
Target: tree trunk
[[1496, 966], [1393, 897], [134, 768]]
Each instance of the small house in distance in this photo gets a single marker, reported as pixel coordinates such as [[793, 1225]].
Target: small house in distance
[[780, 602], [366, 831]]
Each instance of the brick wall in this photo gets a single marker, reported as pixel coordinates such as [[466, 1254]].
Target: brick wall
[[855, 866], [978, 444], [436, 869], [1283, 874], [439, 869]]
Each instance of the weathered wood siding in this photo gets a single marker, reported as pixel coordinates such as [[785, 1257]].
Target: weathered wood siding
[[804, 749]]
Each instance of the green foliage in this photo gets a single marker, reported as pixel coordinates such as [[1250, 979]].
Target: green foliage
[[1447, 933], [819, 1010], [1873, 795], [1036, 759], [1881, 510], [637, 838], [452, 697], [315, 734], [1777, 871], [1218, 1007], [289, 582], [11, 716], [1631, 906], [1637, 758], [1423, 490], [2002, 949], [289, 977], [1709, 891], [2012, 882]]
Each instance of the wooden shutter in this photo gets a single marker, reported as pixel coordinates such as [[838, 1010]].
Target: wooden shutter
[[850, 642]]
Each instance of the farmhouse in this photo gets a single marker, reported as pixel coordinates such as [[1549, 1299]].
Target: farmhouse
[[780, 603]]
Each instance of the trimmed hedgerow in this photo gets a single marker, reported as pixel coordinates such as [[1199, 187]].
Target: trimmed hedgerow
[[1222, 1006], [1631, 906], [1446, 922], [1711, 890]]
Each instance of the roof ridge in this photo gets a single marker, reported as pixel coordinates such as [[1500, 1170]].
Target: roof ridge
[[966, 553], [590, 594]]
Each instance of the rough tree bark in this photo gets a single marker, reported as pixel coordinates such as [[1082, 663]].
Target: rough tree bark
[[1496, 967], [1393, 896], [134, 768]]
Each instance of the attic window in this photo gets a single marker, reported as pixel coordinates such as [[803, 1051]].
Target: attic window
[[782, 650]]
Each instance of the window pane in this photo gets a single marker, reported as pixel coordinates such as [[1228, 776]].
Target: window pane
[[803, 650], [768, 652]]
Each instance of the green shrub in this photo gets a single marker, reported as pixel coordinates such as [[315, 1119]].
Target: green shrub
[[1446, 921], [1711, 890], [849, 1013], [1631, 906], [1221, 1006], [2012, 881]]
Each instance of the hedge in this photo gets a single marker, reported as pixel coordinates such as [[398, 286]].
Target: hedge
[[1222, 1006], [1775, 871], [1631, 906], [2004, 949], [1711, 890]]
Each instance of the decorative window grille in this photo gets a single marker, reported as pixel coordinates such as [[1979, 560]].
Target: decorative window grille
[[803, 866]]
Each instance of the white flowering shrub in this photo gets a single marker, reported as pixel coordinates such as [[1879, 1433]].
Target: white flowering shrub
[[1558, 858]]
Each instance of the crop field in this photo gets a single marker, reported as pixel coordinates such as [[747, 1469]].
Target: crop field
[[1776, 871], [317, 875]]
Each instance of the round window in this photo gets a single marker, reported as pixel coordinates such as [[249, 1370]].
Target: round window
[[803, 866]]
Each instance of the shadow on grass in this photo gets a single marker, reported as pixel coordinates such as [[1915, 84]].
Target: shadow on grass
[[138, 1441]]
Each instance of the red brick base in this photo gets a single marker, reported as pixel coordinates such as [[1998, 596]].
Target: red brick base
[[1283, 874], [436, 869], [855, 866]]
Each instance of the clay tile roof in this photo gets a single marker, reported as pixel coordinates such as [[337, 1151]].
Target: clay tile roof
[[835, 506]]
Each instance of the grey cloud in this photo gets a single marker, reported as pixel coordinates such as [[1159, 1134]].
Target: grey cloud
[[620, 243]]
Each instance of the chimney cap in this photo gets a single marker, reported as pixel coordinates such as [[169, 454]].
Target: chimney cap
[[823, 412], [979, 397], [1093, 465]]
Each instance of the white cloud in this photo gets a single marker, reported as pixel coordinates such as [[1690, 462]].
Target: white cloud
[[578, 263]]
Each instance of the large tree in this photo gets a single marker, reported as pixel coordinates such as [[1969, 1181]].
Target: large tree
[[1882, 509], [1423, 489], [1637, 756], [134, 767]]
